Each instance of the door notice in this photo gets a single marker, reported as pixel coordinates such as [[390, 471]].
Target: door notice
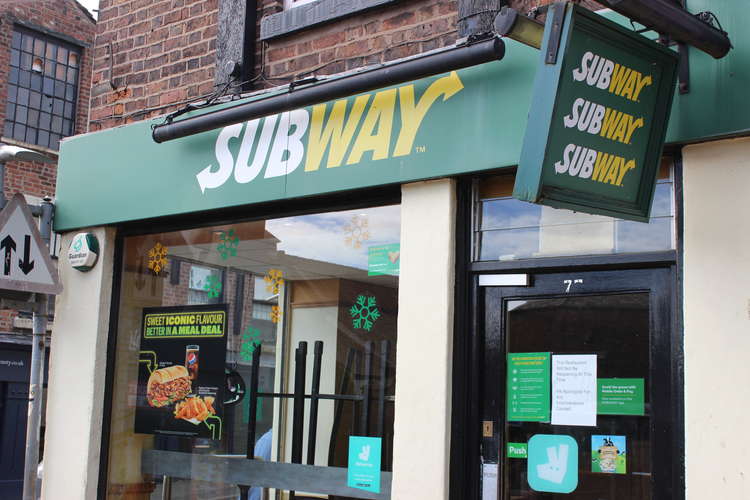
[[528, 387], [574, 389]]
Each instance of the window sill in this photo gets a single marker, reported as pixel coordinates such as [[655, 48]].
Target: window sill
[[313, 14], [33, 147]]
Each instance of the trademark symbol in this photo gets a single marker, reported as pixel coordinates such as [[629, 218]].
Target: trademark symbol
[[421, 149]]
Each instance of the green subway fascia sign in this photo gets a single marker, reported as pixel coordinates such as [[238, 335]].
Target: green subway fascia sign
[[598, 118]]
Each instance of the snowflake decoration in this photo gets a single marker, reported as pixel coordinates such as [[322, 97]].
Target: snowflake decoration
[[250, 342], [157, 258], [274, 279], [228, 245], [356, 231], [364, 312], [212, 286], [276, 314]]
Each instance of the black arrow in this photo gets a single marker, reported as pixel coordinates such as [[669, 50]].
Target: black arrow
[[26, 265], [9, 245]]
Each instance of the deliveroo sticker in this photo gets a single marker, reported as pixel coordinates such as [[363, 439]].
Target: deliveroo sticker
[[364, 463], [553, 463]]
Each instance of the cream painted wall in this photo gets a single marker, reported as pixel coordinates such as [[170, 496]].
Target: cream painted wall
[[76, 376], [717, 319], [421, 441]]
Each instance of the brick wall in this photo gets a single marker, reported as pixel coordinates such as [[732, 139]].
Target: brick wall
[[61, 17]]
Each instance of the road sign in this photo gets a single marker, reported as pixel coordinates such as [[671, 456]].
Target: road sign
[[25, 265]]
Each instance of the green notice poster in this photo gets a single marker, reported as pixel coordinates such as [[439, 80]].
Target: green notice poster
[[528, 387], [383, 259], [620, 396]]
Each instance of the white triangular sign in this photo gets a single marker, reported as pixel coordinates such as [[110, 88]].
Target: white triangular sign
[[25, 264]]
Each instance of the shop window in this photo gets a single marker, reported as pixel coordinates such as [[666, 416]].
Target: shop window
[[509, 229], [189, 335], [42, 89]]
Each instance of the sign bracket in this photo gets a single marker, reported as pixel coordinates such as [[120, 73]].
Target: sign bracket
[[557, 14]]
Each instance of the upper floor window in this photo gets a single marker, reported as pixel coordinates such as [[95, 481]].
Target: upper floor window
[[42, 89]]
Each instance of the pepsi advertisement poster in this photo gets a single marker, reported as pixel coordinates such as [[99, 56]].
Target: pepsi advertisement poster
[[181, 371]]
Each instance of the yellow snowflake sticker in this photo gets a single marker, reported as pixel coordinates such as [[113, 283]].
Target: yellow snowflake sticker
[[274, 279], [157, 258], [356, 231], [276, 314]]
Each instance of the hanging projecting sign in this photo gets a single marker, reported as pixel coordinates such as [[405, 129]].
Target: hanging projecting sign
[[26, 265], [598, 118]]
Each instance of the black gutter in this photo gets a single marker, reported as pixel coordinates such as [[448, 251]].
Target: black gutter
[[451, 59]]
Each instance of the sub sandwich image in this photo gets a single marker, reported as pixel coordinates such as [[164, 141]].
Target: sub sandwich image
[[167, 385]]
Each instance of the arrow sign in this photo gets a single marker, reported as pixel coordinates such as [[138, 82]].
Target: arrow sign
[[26, 265], [32, 270], [9, 245]]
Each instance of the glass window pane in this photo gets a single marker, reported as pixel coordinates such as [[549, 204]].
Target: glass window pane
[[26, 60], [59, 90], [30, 135], [62, 71], [16, 41], [72, 74], [24, 78], [67, 127], [280, 282], [68, 110], [35, 100], [28, 43], [58, 107], [62, 55], [12, 92], [15, 58], [57, 124], [46, 103], [19, 132], [49, 68], [54, 141], [43, 138], [39, 47], [33, 118], [51, 51], [45, 120], [70, 92], [23, 96], [8, 129], [48, 86], [13, 75], [21, 114], [73, 60], [10, 111], [36, 82]]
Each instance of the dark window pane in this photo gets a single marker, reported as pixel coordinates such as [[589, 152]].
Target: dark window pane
[[58, 107], [10, 111], [49, 68], [51, 51], [36, 82], [70, 92], [16, 42], [68, 110], [72, 73], [35, 100], [62, 55], [67, 127], [24, 78], [54, 141], [45, 119], [15, 58], [43, 138], [8, 132], [33, 119], [62, 70], [19, 132], [27, 44], [49, 86], [39, 47], [23, 96], [12, 90], [57, 124], [59, 89], [13, 75], [25, 60], [21, 114], [46, 103], [31, 135]]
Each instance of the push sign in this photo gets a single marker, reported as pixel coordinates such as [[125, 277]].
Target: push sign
[[83, 252], [598, 118]]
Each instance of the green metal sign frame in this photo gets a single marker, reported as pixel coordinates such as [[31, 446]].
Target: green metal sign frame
[[598, 117]]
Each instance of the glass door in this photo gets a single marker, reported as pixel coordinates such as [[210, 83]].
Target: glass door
[[576, 387]]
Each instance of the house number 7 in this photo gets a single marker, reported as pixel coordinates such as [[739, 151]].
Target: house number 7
[[571, 283]]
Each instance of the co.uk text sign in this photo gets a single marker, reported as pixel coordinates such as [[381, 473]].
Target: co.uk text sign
[[598, 119]]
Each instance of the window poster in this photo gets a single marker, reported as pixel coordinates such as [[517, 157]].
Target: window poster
[[608, 454], [574, 389], [528, 387], [181, 371]]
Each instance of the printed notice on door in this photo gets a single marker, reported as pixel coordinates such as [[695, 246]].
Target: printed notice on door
[[528, 387], [574, 389]]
